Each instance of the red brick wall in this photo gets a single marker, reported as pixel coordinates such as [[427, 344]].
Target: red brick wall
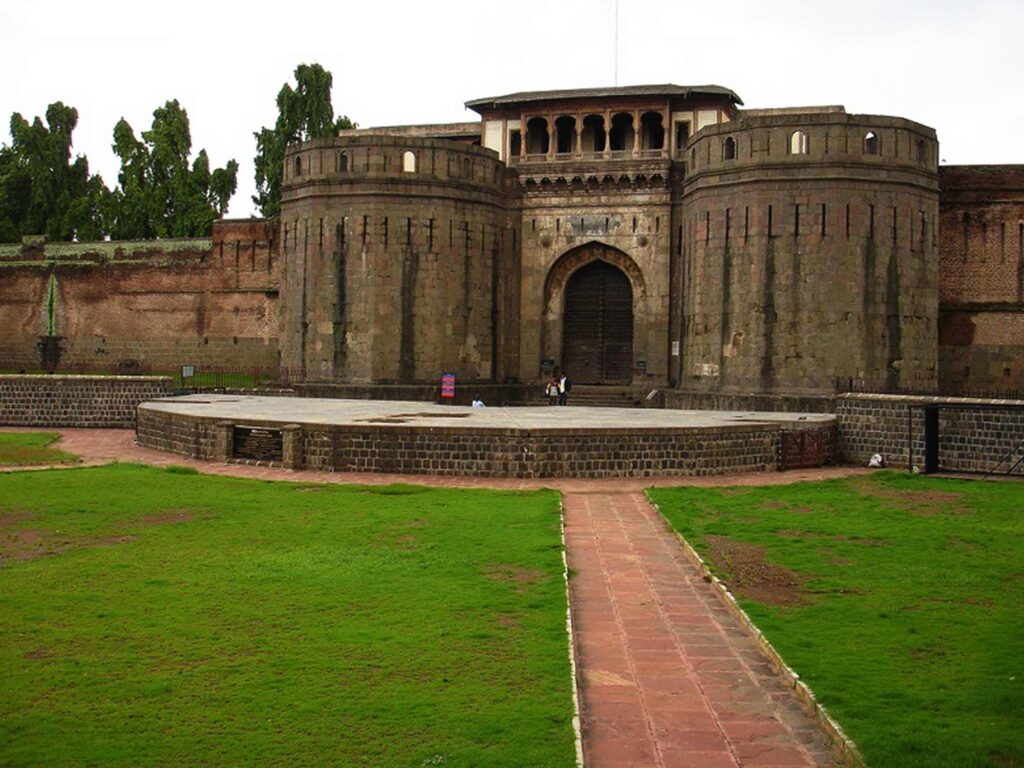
[[211, 303], [981, 278]]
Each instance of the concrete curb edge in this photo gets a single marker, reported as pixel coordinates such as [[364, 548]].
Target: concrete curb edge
[[843, 743], [576, 718]]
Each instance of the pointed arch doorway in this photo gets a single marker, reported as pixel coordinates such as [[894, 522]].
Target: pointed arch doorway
[[597, 335]]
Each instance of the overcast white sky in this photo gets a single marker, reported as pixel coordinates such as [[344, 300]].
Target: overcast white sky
[[954, 65]]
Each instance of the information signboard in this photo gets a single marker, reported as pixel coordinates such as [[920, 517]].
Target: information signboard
[[448, 385]]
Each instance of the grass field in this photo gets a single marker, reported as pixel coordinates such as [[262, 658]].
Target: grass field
[[898, 599], [161, 617], [24, 448]]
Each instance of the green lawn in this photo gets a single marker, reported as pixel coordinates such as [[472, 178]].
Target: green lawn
[[162, 617], [898, 599], [23, 448]]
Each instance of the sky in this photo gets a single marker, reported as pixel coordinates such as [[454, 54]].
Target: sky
[[955, 66]]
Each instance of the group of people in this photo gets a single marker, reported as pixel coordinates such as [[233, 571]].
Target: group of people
[[557, 390]]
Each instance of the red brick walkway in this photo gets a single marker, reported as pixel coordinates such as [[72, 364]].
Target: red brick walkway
[[667, 676]]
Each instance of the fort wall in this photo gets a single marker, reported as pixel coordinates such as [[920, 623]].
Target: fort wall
[[809, 254], [574, 213], [125, 306], [981, 278], [400, 261]]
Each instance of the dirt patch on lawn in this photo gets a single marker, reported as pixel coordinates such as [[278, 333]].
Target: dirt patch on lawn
[[515, 574], [751, 576], [31, 544], [11, 519], [168, 516], [923, 503]]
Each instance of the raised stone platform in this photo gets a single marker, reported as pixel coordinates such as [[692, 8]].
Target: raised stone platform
[[416, 437]]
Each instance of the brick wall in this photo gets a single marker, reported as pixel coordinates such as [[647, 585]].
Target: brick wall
[[118, 305], [77, 401], [981, 278], [974, 440], [499, 453]]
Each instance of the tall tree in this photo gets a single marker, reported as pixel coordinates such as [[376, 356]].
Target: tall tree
[[44, 191], [303, 112], [162, 194]]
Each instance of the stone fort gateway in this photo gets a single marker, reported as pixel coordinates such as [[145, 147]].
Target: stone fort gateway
[[658, 236]]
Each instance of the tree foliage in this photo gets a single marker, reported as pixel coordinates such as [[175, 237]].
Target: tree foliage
[[303, 112], [161, 193], [42, 189]]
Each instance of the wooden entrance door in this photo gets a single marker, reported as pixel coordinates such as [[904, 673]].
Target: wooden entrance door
[[597, 338]]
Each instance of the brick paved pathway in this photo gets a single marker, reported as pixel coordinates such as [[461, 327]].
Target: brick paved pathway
[[667, 676]]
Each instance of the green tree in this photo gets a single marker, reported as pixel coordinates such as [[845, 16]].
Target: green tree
[[161, 193], [303, 112], [44, 191]]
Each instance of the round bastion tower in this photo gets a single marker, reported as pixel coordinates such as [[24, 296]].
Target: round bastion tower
[[399, 261], [809, 253]]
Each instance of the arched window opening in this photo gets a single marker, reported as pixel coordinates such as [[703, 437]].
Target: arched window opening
[[515, 143], [682, 137], [693, 158], [467, 168], [622, 135], [565, 135], [922, 151], [594, 136], [871, 143], [341, 162], [298, 165], [729, 149], [408, 162], [798, 143], [537, 136], [652, 131]]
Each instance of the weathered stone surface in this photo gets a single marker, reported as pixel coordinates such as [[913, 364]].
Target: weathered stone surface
[[77, 401]]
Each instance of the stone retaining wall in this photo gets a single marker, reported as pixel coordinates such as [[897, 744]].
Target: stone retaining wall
[[77, 401], [680, 399], [490, 452], [974, 439]]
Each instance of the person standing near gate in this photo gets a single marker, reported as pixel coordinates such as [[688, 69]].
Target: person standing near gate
[[563, 389]]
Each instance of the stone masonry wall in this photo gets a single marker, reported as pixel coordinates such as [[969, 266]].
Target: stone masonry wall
[[77, 401], [970, 440], [981, 278], [803, 267], [117, 306], [497, 453], [400, 261]]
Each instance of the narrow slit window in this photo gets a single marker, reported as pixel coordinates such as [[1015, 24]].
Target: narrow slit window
[[409, 162], [871, 143], [729, 149]]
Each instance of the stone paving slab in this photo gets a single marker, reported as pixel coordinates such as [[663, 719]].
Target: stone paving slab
[[667, 675], [327, 411]]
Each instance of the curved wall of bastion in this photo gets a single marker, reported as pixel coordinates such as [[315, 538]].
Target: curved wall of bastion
[[400, 261], [809, 254]]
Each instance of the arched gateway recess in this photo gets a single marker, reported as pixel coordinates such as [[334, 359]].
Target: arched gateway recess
[[597, 336]]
